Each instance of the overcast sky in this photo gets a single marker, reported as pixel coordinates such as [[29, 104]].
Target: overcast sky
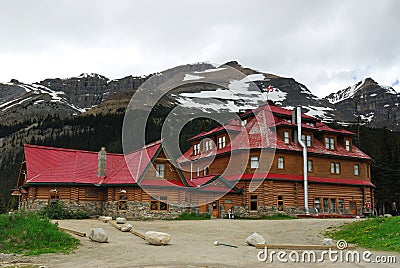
[[326, 45]]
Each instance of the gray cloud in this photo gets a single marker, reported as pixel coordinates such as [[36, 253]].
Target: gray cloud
[[327, 45]]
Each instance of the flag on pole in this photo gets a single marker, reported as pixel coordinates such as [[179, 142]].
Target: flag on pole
[[269, 89]]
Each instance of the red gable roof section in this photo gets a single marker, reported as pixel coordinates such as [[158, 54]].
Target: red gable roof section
[[55, 165], [257, 134]]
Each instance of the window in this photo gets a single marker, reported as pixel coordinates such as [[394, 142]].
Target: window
[[281, 163], [163, 203], [160, 170], [208, 145], [286, 137], [330, 143], [310, 166], [307, 139], [159, 205], [254, 162], [53, 197], [280, 202], [317, 204], [368, 171], [326, 205], [123, 202], [356, 170], [221, 142], [206, 171], [253, 202], [347, 145], [335, 168], [91, 193], [341, 205], [196, 149], [311, 124], [243, 123], [197, 171], [333, 205]]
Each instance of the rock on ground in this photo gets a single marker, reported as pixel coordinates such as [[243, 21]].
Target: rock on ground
[[98, 235], [327, 242], [126, 227], [157, 238], [120, 220], [255, 239]]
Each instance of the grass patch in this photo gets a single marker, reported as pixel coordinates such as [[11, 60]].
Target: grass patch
[[278, 216], [375, 233], [193, 216], [29, 234]]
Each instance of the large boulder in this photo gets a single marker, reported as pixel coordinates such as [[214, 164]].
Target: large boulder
[[98, 235], [126, 227], [255, 239], [120, 220], [106, 218], [157, 238]]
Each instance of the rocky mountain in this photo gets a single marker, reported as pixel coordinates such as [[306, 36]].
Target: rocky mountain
[[62, 97], [368, 102]]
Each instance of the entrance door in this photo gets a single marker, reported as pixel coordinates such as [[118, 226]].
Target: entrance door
[[353, 208], [215, 207]]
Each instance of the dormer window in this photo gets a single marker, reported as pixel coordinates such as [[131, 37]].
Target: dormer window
[[311, 124], [286, 137], [330, 143], [196, 149], [160, 170], [243, 122], [287, 120], [221, 142], [347, 145], [208, 145], [307, 139], [254, 162]]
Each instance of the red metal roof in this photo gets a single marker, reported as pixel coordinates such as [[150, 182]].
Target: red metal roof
[[260, 133], [57, 165]]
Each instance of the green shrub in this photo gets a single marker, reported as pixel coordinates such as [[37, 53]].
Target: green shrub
[[57, 211], [194, 216], [29, 234]]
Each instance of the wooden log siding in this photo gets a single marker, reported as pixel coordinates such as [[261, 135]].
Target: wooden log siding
[[74, 193]]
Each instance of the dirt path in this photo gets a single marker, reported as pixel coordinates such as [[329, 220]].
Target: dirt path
[[192, 244]]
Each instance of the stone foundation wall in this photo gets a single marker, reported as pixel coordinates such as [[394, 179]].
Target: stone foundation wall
[[241, 211], [94, 208], [141, 210]]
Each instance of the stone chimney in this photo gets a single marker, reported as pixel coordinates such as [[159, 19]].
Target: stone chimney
[[101, 162]]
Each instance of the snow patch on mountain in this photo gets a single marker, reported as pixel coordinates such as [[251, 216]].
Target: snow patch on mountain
[[320, 112], [345, 93], [37, 89], [367, 117], [189, 77], [210, 70]]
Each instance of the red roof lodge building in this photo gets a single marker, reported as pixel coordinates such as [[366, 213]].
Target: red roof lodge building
[[252, 166]]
